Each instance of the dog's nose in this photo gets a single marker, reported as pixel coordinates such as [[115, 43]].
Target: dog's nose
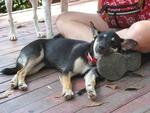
[[100, 49]]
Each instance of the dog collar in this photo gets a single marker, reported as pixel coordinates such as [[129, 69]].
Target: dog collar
[[91, 60]]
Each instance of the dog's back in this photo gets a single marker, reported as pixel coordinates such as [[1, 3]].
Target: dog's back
[[61, 52]]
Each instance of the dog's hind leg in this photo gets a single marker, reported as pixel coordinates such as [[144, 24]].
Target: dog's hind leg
[[15, 82], [21, 79], [90, 82], [47, 14], [35, 19], [32, 67], [20, 74], [12, 34], [30, 63], [67, 86]]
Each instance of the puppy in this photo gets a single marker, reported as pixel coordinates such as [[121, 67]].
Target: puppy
[[70, 57], [47, 14]]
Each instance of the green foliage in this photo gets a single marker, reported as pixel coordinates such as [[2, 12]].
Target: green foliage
[[17, 5], [2, 6]]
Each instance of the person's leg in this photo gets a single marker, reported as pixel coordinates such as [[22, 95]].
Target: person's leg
[[140, 32], [77, 25]]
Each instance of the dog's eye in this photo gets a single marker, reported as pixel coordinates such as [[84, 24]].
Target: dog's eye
[[113, 39]]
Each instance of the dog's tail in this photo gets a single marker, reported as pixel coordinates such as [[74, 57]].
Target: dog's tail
[[10, 71]]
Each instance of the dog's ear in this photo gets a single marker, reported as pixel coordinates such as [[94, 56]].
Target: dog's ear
[[116, 37], [94, 30], [128, 44]]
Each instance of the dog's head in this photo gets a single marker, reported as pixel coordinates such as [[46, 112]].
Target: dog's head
[[106, 41], [109, 40]]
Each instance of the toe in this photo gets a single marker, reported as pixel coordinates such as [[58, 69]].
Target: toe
[[92, 95], [12, 38], [23, 87], [13, 85], [68, 95], [41, 35]]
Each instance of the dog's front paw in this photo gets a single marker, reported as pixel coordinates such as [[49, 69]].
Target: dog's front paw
[[91, 92], [68, 94], [23, 86], [12, 37], [41, 35], [92, 95]]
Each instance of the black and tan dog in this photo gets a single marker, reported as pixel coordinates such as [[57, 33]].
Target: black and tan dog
[[70, 57]]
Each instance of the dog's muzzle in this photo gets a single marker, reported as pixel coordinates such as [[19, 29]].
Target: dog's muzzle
[[101, 50]]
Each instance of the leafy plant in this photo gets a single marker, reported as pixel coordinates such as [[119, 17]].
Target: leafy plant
[[17, 5]]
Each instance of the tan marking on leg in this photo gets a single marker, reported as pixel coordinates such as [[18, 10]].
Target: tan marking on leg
[[21, 79], [29, 69], [67, 86], [18, 80]]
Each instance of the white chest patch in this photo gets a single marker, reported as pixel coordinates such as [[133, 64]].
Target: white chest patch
[[80, 66]]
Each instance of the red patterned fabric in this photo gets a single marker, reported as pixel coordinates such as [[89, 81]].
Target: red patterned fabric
[[123, 13]]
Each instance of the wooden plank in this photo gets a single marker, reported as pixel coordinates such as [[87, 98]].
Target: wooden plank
[[33, 106], [124, 83], [58, 105], [81, 101], [8, 57], [7, 64], [139, 105], [25, 40], [16, 103], [10, 54], [50, 100], [119, 99], [33, 84], [28, 29], [5, 80], [13, 50]]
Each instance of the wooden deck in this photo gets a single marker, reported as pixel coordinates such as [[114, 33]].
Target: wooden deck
[[44, 86]]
